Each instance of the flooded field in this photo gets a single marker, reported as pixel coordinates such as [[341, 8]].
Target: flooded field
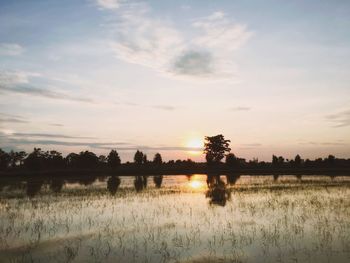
[[198, 218]]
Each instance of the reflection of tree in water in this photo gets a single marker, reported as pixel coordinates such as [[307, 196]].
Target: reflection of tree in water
[[140, 182], [87, 180], [113, 184], [299, 177], [56, 185], [275, 177], [34, 187], [189, 176], [217, 191], [158, 179], [145, 177], [232, 178]]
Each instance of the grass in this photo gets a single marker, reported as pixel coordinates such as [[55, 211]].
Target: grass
[[265, 221]]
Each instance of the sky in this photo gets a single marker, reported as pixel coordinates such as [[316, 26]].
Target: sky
[[272, 76]]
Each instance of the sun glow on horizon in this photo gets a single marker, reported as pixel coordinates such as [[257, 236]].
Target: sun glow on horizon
[[195, 145]]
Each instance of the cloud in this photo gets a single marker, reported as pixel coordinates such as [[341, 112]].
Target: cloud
[[203, 53], [19, 82], [12, 120], [120, 146], [49, 135], [9, 118], [108, 4], [340, 119], [194, 63], [240, 108], [324, 143], [10, 49], [164, 107]]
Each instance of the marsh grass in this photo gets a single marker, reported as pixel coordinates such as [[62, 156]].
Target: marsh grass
[[266, 220]]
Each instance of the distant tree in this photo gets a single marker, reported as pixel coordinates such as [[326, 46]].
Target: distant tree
[[4, 159], [144, 159], [72, 160], [113, 159], [87, 159], [138, 158], [35, 159], [274, 160], [53, 159], [157, 160], [297, 160], [330, 159], [232, 160], [280, 160], [215, 148]]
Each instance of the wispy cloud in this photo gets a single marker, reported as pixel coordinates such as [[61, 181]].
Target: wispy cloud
[[163, 107], [49, 135], [19, 82], [206, 53], [240, 108], [10, 118], [10, 49], [120, 146], [108, 4], [313, 143], [340, 119]]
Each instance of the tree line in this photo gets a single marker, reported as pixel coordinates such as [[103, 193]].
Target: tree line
[[216, 149]]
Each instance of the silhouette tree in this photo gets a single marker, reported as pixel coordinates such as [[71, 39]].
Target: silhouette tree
[[53, 159], [138, 158], [157, 160], [330, 160], [35, 159], [232, 160], [87, 160], [215, 148], [144, 159], [4, 159], [113, 159], [297, 160], [72, 160]]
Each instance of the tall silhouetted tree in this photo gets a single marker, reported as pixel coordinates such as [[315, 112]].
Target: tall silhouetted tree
[[144, 159], [157, 160], [138, 158], [113, 159], [274, 160], [215, 148]]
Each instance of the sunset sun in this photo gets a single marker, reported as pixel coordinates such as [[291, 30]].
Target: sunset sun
[[195, 145]]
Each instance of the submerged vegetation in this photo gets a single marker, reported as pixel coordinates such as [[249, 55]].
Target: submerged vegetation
[[181, 219]]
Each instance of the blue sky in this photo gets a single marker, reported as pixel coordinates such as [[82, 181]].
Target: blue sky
[[272, 76]]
